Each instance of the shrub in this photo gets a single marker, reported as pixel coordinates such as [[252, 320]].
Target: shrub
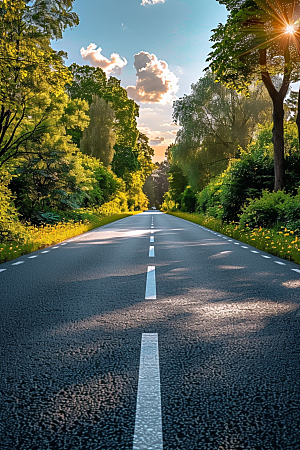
[[266, 211], [188, 200], [11, 228]]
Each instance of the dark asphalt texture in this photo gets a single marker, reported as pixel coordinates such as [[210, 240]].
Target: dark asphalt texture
[[227, 319]]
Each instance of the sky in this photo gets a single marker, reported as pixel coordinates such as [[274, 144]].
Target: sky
[[157, 48]]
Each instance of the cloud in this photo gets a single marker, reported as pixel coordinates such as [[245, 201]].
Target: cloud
[[172, 124], [171, 133], [156, 141], [93, 55], [155, 82], [151, 2]]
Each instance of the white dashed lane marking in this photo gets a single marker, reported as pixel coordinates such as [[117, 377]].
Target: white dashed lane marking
[[267, 257], [31, 257], [254, 251], [46, 251], [2, 270], [151, 238], [279, 262], [151, 251], [150, 284], [148, 419], [296, 270], [17, 263]]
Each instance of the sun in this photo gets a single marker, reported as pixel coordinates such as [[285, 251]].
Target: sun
[[290, 29]]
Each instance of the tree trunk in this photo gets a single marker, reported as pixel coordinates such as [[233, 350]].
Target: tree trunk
[[278, 143], [298, 116], [278, 114]]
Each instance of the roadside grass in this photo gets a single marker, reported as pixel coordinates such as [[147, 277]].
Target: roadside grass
[[284, 244], [40, 237]]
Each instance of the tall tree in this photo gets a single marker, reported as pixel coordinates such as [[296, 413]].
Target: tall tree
[[216, 122], [29, 66], [260, 38], [89, 81], [99, 138]]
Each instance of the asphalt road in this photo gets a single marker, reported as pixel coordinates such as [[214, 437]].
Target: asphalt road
[[228, 327]]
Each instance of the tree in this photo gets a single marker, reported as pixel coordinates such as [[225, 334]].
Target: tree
[[29, 67], [90, 81], [260, 38], [99, 138], [125, 161], [216, 123]]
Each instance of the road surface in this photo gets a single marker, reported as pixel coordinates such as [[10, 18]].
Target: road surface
[[201, 331]]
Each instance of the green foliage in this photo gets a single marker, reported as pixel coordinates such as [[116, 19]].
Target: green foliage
[[125, 161], [115, 206], [29, 70], [10, 227], [216, 122], [177, 184], [99, 138], [188, 200], [89, 82], [272, 209], [245, 178]]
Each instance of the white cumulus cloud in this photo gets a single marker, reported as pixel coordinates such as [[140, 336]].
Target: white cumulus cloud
[[155, 82], [151, 2], [156, 141], [109, 65]]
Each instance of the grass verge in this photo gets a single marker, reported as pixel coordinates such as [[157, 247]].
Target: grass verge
[[40, 237], [284, 244]]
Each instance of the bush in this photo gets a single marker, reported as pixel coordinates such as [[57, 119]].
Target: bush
[[188, 200], [267, 211], [11, 228]]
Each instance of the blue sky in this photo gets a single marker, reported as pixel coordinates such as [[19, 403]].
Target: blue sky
[[165, 42]]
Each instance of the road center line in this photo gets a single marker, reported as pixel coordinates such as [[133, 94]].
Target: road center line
[[150, 284], [151, 238], [148, 420], [279, 262], [151, 251], [17, 263], [31, 257], [3, 270], [295, 270]]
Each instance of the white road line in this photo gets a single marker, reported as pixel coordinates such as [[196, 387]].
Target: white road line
[[229, 240], [151, 238], [244, 246], [54, 247], [151, 251], [236, 243], [152, 231], [148, 420], [46, 251], [224, 237], [64, 243], [150, 284], [31, 257], [267, 257], [17, 263], [254, 251], [152, 226], [279, 262], [295, 270], [3, 270]]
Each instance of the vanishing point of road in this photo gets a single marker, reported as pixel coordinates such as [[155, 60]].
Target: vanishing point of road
[[151, 333]]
